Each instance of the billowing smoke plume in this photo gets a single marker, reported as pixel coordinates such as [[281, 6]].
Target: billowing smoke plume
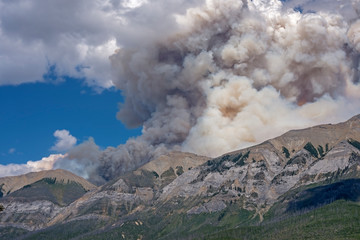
[[229, 74]]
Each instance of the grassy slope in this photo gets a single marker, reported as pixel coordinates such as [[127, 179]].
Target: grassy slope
[[48, 189], [174, 225], [338, 220], [11, 232], [68, 230]]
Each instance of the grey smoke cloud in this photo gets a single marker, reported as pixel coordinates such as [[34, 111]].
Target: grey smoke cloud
[[224, 75], [75, 36], [83, 160]]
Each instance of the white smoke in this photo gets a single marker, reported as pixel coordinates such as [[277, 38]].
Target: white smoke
[[229, 74], [46, 163]]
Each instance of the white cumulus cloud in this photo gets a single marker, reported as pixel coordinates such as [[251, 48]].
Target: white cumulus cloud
[[65, 141], [73, 38]]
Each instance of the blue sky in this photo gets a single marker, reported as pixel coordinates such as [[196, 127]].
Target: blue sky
[[55, 74], [31, 113]]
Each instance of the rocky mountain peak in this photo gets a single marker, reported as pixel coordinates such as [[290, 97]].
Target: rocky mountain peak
[[183, 186]]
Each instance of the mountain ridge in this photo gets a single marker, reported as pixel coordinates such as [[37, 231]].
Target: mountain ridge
[[240, 188], [310, 134], [13, 183]]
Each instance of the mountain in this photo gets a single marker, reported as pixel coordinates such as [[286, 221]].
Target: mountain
[[132, 192], [11, 184], [303, 184], [178, 161], [262, 173], [31, 200]]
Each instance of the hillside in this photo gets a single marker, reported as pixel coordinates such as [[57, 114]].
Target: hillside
[[296, 180], [178, 161], [11, 184], [31, 200]]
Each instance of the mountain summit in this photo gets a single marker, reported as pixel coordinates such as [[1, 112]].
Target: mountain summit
[[183, 195], [11, 184]]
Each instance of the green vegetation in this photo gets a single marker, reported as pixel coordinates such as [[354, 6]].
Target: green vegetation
[[49, 189], [321, 151], [243, 159], [175, 225], [155, 174], [237, 158], [286, 152], [50, 181], [1, 190], [67, 231], [354, 143], [311, 149], [11, 232], [321, 195], [179, 170], [167, 177], [1, 208], [168, 173], [145, 179], [339, 220]]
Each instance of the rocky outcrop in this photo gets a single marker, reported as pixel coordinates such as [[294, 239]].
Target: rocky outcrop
[[179, 161], [261, 174], [32, 200], [254, 178], [209, 207], [30, 216]]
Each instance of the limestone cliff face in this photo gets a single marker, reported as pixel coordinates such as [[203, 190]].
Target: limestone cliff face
[[259, 175], [263, 174], [175, 160], [133, 192], [255, 177]]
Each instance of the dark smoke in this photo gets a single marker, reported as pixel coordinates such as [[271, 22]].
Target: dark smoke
[[229, 74]]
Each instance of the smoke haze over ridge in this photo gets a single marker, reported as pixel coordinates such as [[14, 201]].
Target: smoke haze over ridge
[[222, 75]]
